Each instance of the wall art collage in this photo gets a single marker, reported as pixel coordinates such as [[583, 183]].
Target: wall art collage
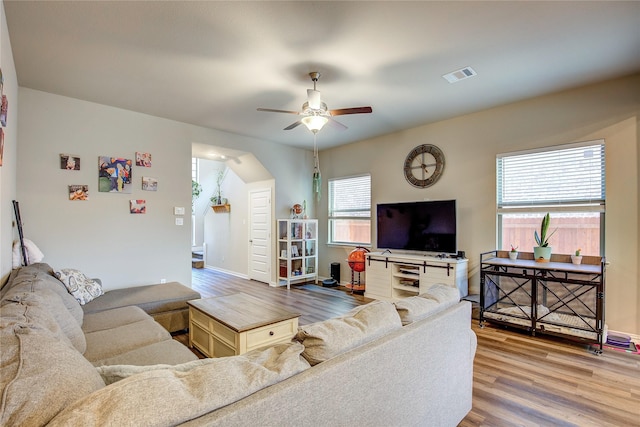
[[115, 175]]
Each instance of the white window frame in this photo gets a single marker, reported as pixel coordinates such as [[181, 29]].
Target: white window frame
[[359, 213], [592, 201]]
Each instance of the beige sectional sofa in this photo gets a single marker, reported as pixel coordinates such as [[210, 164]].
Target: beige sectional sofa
[[165, 302], [379, 365]]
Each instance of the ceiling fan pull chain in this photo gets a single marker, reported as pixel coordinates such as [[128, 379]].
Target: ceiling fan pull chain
[[317, 177]]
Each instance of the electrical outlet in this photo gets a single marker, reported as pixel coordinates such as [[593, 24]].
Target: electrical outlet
[[163, 280], [179, 221]]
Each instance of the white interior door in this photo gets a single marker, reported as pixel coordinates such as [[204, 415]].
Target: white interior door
[[260, 235]]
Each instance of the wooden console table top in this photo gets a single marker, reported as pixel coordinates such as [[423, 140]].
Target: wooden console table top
[[532, 264], [241, 312]]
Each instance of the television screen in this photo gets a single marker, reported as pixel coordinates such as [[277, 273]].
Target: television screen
[[418, 226]]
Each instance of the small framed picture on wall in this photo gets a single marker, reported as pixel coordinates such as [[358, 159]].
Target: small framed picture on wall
[[69, 162], [149, 184], [143, 159], [137, 206], [4, 109], [78, 192]]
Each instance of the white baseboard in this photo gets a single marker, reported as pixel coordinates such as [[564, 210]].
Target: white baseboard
[[229, 272]]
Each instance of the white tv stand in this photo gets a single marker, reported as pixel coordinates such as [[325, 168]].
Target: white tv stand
[[393, 276]]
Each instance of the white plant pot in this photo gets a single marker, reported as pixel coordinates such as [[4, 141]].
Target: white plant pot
[[576, 259], [513, 255]]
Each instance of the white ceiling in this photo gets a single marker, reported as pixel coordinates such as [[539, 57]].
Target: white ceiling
[[213, 63]]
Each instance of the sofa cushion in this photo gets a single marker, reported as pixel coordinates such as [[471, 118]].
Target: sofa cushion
[[442, 293], [151, 298], [80, 286], [169, 352], [112, 342], [23, 314], [113, 318], [329, 338], [38, 277], [40, 376], [195, 389], [416, 308], [48, 301], [437, 298]]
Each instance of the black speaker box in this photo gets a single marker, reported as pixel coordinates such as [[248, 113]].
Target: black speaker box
[[335, 271]]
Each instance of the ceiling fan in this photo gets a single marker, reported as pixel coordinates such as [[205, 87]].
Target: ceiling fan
[[315, 113]]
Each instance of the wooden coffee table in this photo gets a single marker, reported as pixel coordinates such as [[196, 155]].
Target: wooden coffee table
[[238, 323]]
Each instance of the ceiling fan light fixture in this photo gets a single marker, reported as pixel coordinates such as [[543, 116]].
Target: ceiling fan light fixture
[[314, 123], [313, 99]]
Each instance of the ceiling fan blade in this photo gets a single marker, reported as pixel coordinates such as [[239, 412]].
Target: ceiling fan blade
[[271, 110], [336, 124], [293, 125], [354, 110]]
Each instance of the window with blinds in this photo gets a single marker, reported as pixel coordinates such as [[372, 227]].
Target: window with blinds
[[350, 210], [567, 181], [573, 175]]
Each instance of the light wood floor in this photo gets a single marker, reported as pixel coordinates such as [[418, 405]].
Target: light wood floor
[[519, 380]]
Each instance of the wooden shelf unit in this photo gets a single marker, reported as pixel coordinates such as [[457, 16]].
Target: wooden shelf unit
[[297, 251], [395, 276]]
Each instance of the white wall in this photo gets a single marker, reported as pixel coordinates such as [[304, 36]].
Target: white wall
[[8, 169], [207, 171], [225, 233], [99, 236], [470, 143]]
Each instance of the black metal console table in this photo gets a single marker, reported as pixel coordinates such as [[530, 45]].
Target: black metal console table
[[556, 297]]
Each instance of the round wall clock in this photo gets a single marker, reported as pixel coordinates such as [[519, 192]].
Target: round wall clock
[[424, 165]]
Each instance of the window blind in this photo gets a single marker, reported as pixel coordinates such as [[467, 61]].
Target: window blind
[[562, 176], [350, 197]]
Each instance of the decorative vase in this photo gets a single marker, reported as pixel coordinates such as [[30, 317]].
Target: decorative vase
[[576, 259], [542, 253], [513, 255]]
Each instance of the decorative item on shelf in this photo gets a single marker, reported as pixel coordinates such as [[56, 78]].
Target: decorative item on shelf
[[576, 258], [296, 211], [513, 253], [217, 199], [356, 261], [542, 252]]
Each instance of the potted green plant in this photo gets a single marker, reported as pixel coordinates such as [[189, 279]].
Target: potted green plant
[[217, 198], [542, 252], [577, 257], [513, 253], [196, 189]]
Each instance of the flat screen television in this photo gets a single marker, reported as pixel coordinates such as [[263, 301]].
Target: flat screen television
[[418, 226]]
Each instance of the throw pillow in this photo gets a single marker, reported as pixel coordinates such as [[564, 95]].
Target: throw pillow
[[174, 396], [80, 286], [34, 254], [324, 340], [416, 308], [442, 293]]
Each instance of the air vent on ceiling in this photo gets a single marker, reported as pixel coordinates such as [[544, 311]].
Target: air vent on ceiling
[[463, 73]]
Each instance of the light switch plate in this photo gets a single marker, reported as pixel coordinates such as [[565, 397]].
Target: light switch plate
[[179, 221], [178, 210]]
